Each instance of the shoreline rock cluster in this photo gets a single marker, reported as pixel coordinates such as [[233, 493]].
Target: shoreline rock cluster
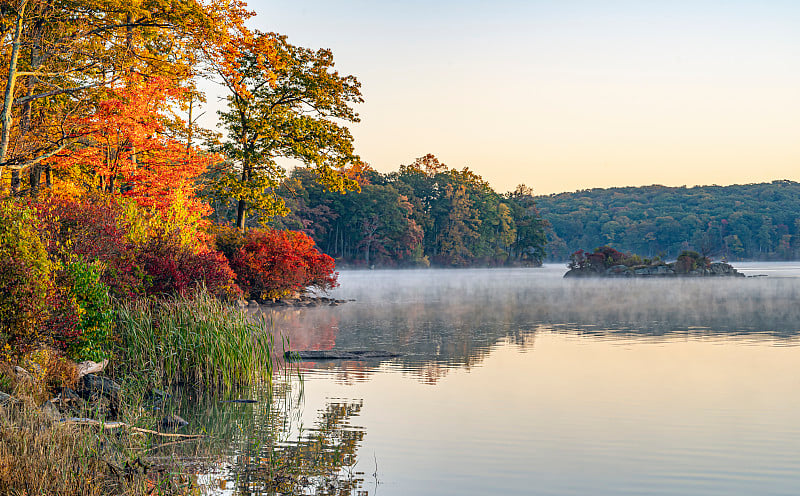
[[715, 269], [298, 301]]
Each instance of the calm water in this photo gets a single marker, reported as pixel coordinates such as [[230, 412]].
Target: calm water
[[520, 382]]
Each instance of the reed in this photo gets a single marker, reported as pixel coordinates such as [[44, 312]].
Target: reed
[[198, 341]]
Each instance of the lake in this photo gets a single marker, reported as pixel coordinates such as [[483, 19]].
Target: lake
[[517, 381]]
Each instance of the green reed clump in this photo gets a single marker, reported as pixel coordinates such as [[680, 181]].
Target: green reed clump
[[199, 341]]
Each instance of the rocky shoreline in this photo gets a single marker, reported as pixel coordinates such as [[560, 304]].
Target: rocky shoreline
[[296, 301], [715, 269]]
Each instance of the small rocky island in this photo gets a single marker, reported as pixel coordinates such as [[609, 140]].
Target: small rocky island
[[608, 262]]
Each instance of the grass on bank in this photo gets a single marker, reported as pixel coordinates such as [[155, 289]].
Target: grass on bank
[[200, 342]]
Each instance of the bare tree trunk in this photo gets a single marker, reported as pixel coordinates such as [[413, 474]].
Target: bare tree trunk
[[191, 126], [16, 181], [35, 179], [8, 98], [241, 208], [25, 121]]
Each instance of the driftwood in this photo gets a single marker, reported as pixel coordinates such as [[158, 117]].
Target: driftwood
[[117, 425], [338, 355]]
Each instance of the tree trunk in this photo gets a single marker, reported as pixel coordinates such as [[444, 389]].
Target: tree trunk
[[16, 181], [241, 210], [8, 99], [35, 179]]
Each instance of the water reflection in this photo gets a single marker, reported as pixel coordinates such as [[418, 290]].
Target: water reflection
[[441, 320], [520, 382], [264, 448]]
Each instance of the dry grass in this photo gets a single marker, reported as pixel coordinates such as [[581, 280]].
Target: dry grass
[[38, 457]]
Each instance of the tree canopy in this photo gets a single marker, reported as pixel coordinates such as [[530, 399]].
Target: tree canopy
[[424, 213], [297, 115]]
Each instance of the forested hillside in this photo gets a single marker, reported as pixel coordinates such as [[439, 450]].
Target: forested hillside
[[423, 214], [750, 221]]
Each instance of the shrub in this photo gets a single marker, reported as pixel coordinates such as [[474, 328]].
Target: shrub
[[173, 268], [91, 338], [143, 252], [689, 261], [94, 228], [25, 278], [602, 258], [271, 263]]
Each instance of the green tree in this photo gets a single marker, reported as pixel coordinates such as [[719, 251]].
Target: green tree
[[296, 115], [460, 230], [531, 236]]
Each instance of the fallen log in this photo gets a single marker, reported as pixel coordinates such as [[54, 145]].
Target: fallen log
[[296, 356], [117, 425]]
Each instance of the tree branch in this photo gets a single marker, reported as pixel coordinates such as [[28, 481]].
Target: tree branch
[[35, 161], [25, 99]]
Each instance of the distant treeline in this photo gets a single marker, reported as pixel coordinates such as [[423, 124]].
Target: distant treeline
[[423, 214], [750, 221]]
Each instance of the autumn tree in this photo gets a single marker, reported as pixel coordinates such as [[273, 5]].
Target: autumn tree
[[125, 147], [296, 115], [60, 58], [460, 229]]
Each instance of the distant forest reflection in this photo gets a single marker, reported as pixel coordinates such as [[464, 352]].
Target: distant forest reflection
[[444, 319]]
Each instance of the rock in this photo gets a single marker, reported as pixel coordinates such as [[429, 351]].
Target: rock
[[7, 399], [23, 374], [716, 269], [66, 397], [92, 388], [241, 303], [173, 422], [618, 271], [90, 367], [252, 303], [338, 355], [50, 410]]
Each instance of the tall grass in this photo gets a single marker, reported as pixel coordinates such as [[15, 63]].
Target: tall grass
[[198, 341]]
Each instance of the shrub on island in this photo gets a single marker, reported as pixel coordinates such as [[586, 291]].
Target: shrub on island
[[609, 262]]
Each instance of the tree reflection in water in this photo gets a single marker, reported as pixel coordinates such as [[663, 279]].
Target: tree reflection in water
[[262, 448]]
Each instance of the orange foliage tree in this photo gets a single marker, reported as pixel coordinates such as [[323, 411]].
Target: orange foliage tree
[[125, 147]]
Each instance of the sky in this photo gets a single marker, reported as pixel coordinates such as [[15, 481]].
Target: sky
[[567, 95]]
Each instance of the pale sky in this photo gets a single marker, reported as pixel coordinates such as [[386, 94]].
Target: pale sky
[[565, 95]]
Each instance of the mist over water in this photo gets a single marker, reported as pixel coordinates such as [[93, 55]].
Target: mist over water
[[456, 315], [519, 381]]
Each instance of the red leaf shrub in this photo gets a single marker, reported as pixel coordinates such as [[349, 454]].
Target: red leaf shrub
[[270, 263], [141, 255], [92, 228], [174, 269]]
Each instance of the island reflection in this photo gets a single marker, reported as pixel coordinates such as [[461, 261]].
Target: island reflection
[[441, 320]]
